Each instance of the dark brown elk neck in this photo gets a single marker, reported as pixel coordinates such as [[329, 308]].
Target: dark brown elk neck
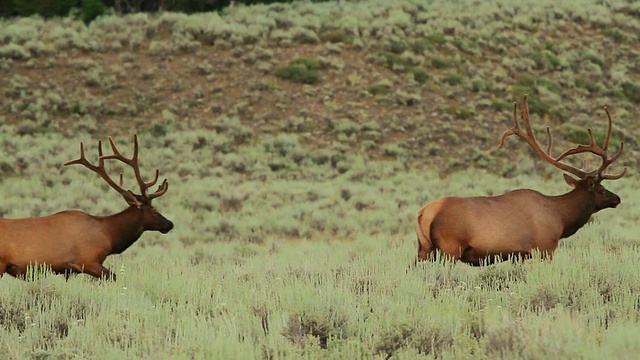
[[124, 228], [574, 209]]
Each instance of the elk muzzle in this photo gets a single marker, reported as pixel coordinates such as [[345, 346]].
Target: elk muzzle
[[608, 200], [166, 226], [615, 201], [155, 221]]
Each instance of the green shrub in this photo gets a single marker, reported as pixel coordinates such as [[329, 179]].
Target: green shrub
[[14, 51], [546, 60], [407, 98], [614, 34], [533, 81], [478, 86], [594, 58], [529, 85], [460, 112], [90, 10], [591, 86], [301, 70], [298, 73], [46, 9], [436, 39], [441, 62], [501, 105], [631, 91], [536, 106], [309, 63], [380, 88], [321, 326], [391, 58], [421, 76], [231, 126], [396, 47], [420, 46], [85, 10], [335, 36], [454, 79], [424, 339]]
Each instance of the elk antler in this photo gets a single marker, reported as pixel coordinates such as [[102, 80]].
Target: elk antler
[[593, 147], [133, 162]]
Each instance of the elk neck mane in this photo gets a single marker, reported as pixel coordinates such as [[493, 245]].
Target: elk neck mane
[[575, 208], [123, 228]]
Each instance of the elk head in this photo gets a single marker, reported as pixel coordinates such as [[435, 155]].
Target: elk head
[[151, 219], [587, 181]]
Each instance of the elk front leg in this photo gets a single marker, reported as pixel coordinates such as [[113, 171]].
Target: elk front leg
[[19, 272], [96, 270], [12, 270], [519, 256]]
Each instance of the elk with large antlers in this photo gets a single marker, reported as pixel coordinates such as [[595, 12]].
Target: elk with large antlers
[[482, 230], [75, 242]]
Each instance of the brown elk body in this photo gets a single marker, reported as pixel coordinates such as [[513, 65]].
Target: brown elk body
[[76, 242], [481, 230]]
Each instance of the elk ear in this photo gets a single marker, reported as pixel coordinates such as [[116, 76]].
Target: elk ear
[[571, 181], [131, 199]]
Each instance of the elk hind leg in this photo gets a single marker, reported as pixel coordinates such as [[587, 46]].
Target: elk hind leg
[[426, 253], [426, 250]]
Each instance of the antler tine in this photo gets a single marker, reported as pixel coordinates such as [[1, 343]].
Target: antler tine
[[161, 190], [114, 148], [592, 147], [606, 139], [148, 184], [549, 140], [606, 161], [99, 169], [133, 162], [516, 126], [82, 160], [616, 176], [524, 114], [155, 179]]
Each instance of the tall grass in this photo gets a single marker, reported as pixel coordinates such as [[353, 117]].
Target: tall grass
[[332, 299]]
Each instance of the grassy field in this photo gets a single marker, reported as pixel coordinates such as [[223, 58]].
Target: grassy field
[[299, 141]]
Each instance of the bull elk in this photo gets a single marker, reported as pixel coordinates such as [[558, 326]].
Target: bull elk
[[75, 242], [484, 229]]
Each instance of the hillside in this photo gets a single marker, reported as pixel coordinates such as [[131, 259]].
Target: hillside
[[428, 84]]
